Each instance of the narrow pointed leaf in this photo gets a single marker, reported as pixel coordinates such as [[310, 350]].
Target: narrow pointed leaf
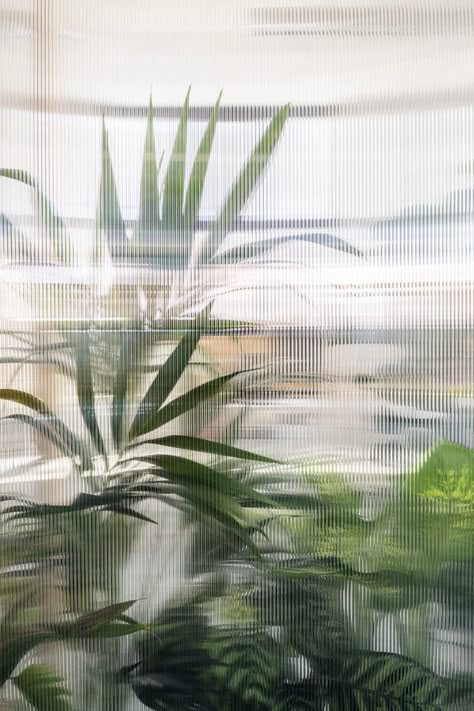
[[55, 431], [257, 248], [53, 224], [118, 629], [173, 190], [85, 391], [167, 377], [194, 397], [131, 348], [16, 246], [92, 622], [131, 513], [187, 472], [248, 178], [109, 220], [199, 170], [196, 444], [47, 424], [149, 212], [26, 400]]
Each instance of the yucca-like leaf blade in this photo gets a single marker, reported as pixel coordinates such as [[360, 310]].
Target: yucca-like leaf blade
[[149, 211], [199, 170], [194, 397], [85, 391], [170, 372], [54, 226], [109, 220], [186, 472], [48, 425], [256, 248], [173, 190], [197, 444], [248, 179], [56, 432]]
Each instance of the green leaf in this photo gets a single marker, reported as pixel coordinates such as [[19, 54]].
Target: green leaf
[[248, 179], [118, 629], [173, 190], [186, 472], [27, 400], [85, 390], [199, 170], [149, 211], [132, 345], [396, 679], [261, 246], [447, 475], [44, 355], [115, 501], [12, 650], [42, 690], [196, 444], [192, 398], [17, 247], [58, 434], [94, 623], [48, 425], [167, 378], [53, 224], [109, 218]]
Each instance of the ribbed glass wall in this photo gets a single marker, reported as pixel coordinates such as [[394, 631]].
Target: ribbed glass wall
[[236, 355]]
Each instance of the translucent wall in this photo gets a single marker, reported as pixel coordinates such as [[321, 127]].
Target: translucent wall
[[236, 466]]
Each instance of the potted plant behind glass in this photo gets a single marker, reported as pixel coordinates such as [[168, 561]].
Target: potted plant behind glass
[[126, 450]]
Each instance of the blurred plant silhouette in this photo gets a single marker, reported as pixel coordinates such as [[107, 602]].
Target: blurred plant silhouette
[[285, 578]]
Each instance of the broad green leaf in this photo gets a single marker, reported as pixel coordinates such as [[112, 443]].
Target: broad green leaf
[[42, 690], [196, 444], [192, 398], [198, 172], [85, 390], [53, 224], [248, 178], [109, 220], [149, 212], [167, 378], [173, 190], [396, 679]]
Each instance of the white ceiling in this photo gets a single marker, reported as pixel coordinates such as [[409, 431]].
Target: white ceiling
[[260, 51]]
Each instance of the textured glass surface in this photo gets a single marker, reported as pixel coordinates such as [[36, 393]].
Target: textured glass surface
[[236, 355]]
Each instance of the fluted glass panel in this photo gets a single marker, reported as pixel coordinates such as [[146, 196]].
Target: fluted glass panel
[[236, 355]]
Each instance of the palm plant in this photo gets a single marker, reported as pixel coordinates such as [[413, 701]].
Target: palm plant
[[139, 459], [262, 619]]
